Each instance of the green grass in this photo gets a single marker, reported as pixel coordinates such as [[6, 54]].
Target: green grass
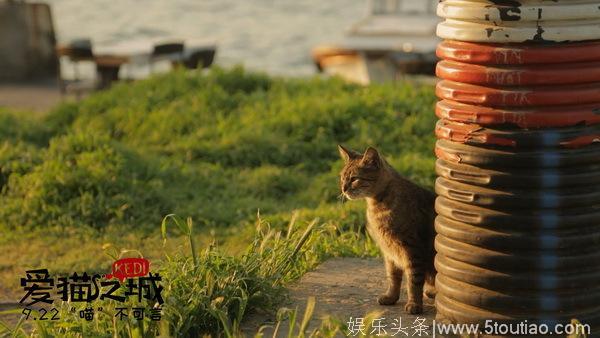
[[219, 147], [207, 292], [215, 147]]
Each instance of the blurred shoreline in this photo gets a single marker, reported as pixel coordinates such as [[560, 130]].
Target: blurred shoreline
[[264, 35]]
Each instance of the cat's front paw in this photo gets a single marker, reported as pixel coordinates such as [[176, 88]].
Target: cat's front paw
[[413, 308], [387, 299]]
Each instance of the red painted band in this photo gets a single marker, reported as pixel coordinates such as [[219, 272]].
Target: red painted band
[[520, 96], [566, 73], [534, 117], [469, 133], [519, 54]]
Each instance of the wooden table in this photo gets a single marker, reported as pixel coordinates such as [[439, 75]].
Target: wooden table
[[107, 68], [109, 59], [107, 65]]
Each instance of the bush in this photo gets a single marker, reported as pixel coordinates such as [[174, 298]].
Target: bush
[[216, 146], [21, 126], [80, 180], [209, 292], [16, 158]]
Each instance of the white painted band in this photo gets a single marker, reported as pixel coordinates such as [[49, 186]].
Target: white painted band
[[521, 11], [516, 31]]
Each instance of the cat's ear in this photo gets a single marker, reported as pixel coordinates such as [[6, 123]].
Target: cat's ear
[[371, 158], [347, 154]]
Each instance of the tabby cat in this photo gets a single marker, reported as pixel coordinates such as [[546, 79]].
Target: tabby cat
[[400, 217]]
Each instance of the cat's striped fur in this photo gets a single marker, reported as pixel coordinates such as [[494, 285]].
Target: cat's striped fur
[[400, 217]]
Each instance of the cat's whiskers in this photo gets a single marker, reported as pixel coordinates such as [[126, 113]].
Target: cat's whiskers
[[342, 198]]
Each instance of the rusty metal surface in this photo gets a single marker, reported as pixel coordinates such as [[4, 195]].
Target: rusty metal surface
[[463, 313], [517, 261], [518, 54], [507, 281], [471, 133], [518, 197], [518, 96], [503, 239], [525, 178], [518, 225], [501, 158], [529, 117], [519, 302], [530, 218]]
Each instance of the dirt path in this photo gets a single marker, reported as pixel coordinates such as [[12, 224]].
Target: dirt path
[[38, 96], [344, 288]]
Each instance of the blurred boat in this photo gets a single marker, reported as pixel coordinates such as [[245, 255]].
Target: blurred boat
[[396, 38]]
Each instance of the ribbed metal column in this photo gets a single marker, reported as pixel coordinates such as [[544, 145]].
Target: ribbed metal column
[[518, 162]]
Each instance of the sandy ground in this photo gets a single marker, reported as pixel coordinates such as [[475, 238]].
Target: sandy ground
[[347, 288]]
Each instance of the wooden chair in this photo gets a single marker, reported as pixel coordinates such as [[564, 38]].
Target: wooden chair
[[172, 51], [76, 52], [199, 58]]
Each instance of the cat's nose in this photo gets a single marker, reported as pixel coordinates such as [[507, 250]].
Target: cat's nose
[[346, 187]]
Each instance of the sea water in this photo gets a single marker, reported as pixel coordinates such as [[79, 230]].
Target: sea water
[[275, 36]]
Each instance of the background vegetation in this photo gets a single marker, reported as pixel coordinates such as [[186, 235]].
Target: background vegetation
[[215, 147], [221, 148]]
